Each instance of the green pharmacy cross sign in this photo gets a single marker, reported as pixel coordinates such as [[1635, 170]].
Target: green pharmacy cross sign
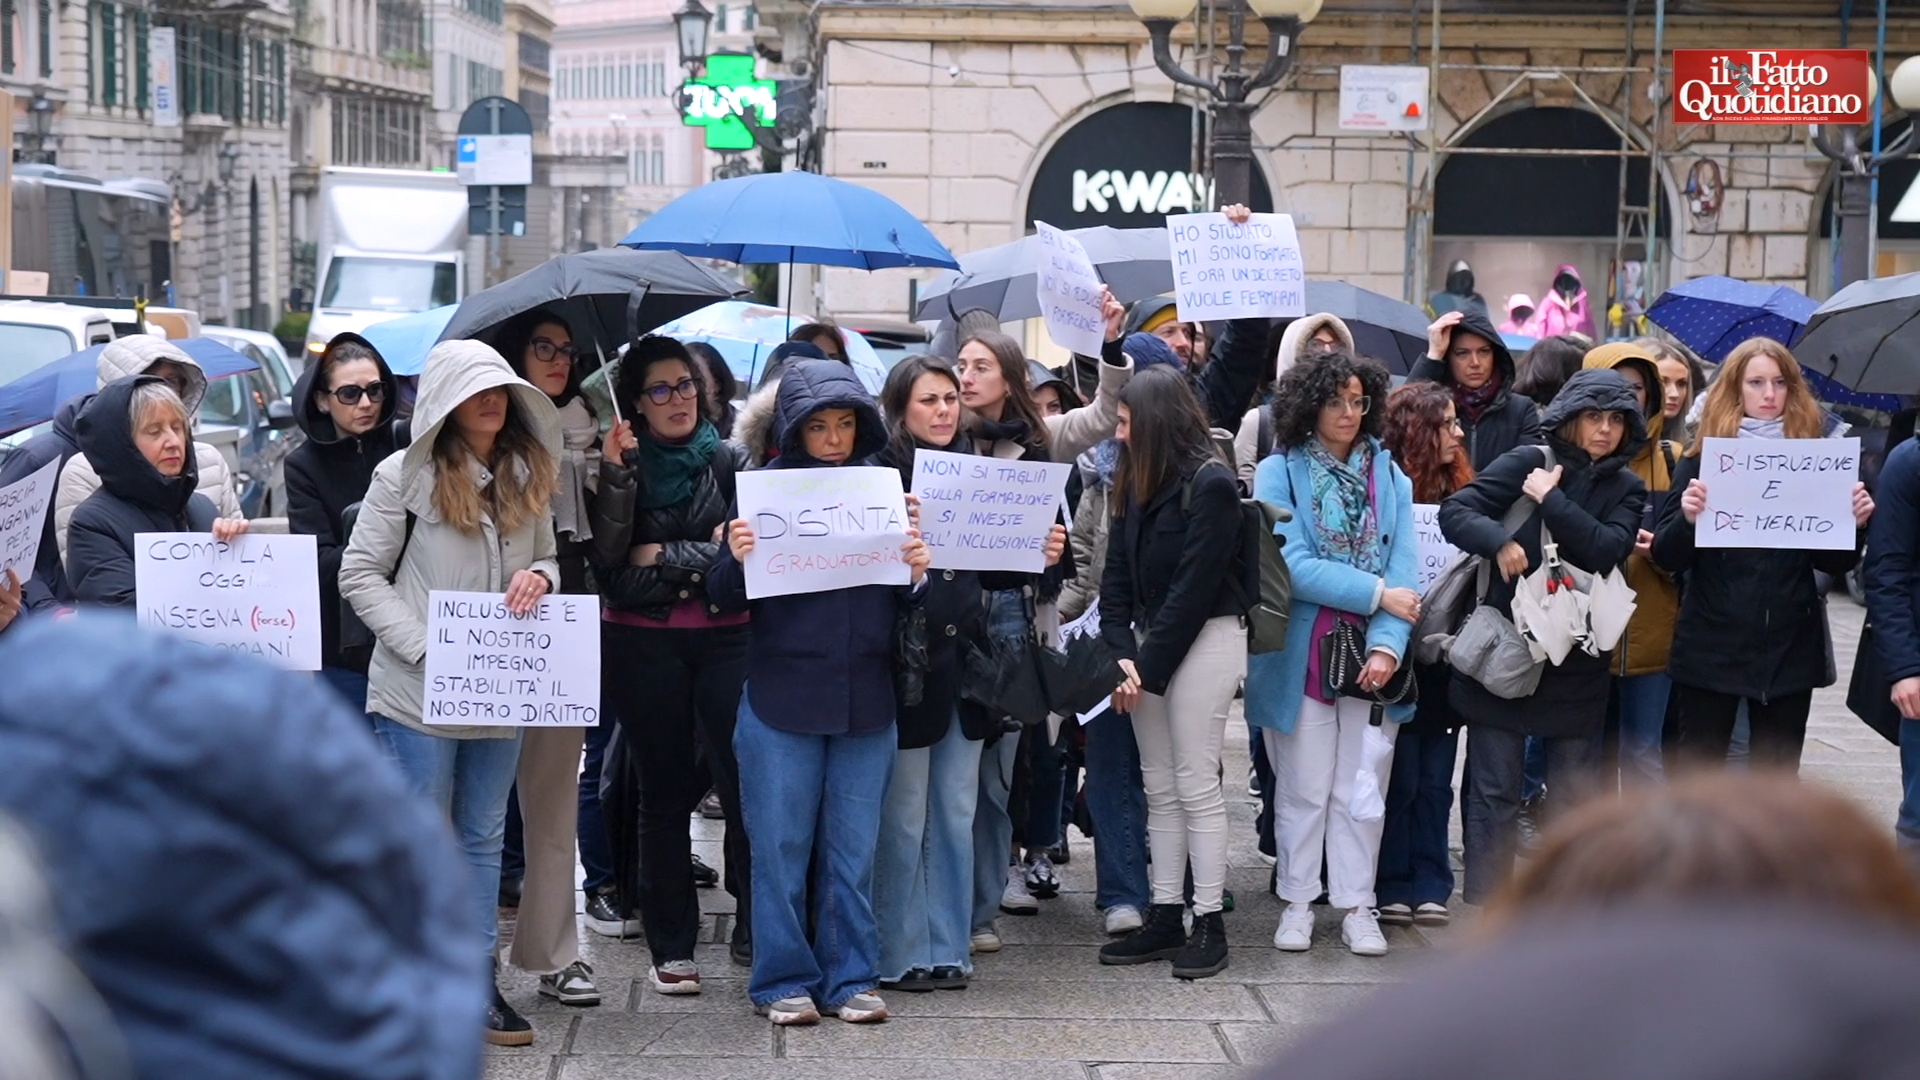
[[725, 100]]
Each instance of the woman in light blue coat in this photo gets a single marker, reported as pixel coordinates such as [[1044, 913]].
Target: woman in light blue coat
[[1352, 550]]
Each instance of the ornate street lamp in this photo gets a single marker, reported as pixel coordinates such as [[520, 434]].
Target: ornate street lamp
[[690, 24], [37, 142], [1232, 115], [1858, 164]]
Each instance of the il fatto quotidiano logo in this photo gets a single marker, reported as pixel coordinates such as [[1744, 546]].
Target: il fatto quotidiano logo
[[1771, 86]]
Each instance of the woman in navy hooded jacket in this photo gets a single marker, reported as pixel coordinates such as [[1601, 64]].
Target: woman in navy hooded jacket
[[815, 736]]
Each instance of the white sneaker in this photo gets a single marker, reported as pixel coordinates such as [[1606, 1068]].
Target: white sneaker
[[1296, 929], [1361, 931], [675, 977], [1016, 900], [1121, 918], [985, 941], [1042, 882]]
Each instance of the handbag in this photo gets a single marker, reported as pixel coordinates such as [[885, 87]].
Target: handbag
[[1451, 598], [1343, 655], [1080, 676], [1869, 693], [1004, 676], [910, 660]]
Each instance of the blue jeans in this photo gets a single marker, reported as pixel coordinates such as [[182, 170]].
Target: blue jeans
[[468, 780], [1414, 867], [1907, 827], [349, 684], [800, 794], [1643, 716], [1738, 749], [1534, 774], [1117, 801], [923, 870], [1047, 777], [596, 855], [993, 828]]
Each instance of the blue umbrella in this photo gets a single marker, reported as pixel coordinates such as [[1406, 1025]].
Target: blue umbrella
[[746, 333], [33, 399], [1519, 342], [1712, 315], [792, 217], [404, 342]]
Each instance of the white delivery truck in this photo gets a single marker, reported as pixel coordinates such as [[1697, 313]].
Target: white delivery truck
[[391, 242]]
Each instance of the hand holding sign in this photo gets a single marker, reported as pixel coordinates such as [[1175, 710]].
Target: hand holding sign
[[1227, 269], [815, 530], [11, 591], [1072, 298], [1792, 494]]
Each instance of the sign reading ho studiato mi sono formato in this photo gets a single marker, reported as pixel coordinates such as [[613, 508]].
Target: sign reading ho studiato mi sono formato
[[979, 513], [1778, 493], [487, 667], [1771, 86], [1227, 271], [258, 594]]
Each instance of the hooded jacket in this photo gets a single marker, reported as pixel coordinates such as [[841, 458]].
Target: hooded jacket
[[1650, 632], [1517, 323], [1509, 420], [818, 663], [330, 472], [133, 355], [392, 599], [753, 428], [315, 920], [133, 497], [1594, 515], [48, 586], [1459, 294], [1250, 444], [1558, 314]]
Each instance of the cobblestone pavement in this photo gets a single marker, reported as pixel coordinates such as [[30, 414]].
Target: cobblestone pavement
[[1044, 1008]]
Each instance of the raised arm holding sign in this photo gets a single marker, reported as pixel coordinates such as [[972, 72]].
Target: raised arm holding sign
[[1228, 270]]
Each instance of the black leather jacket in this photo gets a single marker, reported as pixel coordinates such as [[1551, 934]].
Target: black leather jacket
[[685, 529]]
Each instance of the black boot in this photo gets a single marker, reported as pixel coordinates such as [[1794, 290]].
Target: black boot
[[1206, 950], [1161, 937]]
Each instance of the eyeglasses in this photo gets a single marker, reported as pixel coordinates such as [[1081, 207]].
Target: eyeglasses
[[1453, 423], [547, 352], [1360, 405], [661, 393], [351, 394]]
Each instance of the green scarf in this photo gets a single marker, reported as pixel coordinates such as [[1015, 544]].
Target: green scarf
[[670, 469]]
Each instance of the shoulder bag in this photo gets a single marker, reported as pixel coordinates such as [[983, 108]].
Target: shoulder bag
[[1459, 588]]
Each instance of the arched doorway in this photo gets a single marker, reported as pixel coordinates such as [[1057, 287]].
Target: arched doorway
[[1126, 166], [1516, 217]]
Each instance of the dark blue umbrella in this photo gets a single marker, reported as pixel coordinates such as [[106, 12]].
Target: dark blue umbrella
[[1712, 315], [792, 217], [34, 398]]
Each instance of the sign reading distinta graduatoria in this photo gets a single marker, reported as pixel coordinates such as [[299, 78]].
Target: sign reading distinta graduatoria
[[815, 530], [1778, 493], [488, 667], [258, 594], [979, 513]]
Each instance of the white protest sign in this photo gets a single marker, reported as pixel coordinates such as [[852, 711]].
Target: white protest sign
[[1434, 551], [487, 667], [979, 513], [23, 518], [1069, 291], [1227, 271], [1778, 493], [1087, 625], [258, 594], [815, 530]]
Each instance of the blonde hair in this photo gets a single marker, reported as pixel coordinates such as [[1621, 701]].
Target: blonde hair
[[1724, 408], [524, 476]]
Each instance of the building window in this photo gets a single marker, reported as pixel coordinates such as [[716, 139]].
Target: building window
[[537, 108], [491, 10], [659, 79], [400, 30], [535, 53], [369, 131], [483, 81], [109, 55], [142, 79], [659, 163]]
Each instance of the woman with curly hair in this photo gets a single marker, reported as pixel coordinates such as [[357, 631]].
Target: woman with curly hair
[[1416, 877], [1351, 545]]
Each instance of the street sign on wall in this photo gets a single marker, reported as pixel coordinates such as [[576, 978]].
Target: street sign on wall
[[1383, 97], [494, 159], [726, 100]]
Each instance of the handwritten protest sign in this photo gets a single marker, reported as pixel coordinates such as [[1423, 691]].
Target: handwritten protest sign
[[980, 513], [1778, 493], [23, 517], [1227, 271], [1434, 550], [487, 667], [258, 594], [820, 529], [1069, 289]]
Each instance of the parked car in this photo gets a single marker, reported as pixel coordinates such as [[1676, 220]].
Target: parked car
[[250, 419], [35, 333]]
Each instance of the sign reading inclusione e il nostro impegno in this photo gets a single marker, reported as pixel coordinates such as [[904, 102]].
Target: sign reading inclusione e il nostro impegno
[[1771, 86]]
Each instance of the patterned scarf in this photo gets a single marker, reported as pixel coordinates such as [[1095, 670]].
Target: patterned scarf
[[1345, 527], [1474, 402]]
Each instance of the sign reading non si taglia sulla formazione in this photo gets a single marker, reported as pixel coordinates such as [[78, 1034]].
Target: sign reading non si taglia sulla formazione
[[1778, 493], [980, 513], [487, 667], [258, 594], [1771, 86]]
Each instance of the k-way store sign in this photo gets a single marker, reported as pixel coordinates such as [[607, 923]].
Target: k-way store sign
[[1126, 166], [1138, 193], [1771, 86]]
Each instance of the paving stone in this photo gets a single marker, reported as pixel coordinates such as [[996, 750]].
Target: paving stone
[[1205, 999], [1010, 1039], [1258, 1044], [1160, 1070], [518, 1067], [654, 1067], [726, 1031]]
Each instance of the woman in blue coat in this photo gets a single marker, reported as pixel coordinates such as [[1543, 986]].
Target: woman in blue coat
[[1353, 553]]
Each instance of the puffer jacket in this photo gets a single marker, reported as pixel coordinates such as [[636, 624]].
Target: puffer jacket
[[317, 920], [59, 443], [133, 355], [753, 428], [133, 498], [1594, 515], [1657, 599], [684, 531], [437, 555], [1509, 420], [1293, 343]]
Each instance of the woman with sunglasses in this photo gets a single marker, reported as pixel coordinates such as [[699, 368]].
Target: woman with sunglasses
[[346, 404]]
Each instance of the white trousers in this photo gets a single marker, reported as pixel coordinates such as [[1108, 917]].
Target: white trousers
[[1313, 773], [1180, 735]]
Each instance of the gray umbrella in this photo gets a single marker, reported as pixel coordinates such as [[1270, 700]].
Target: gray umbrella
[[1867, 336], [1391, 331], [1134, 263], [608, 297]]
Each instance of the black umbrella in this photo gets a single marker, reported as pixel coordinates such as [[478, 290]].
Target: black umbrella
[[1867, 336], [1391, 331], [608, 297]]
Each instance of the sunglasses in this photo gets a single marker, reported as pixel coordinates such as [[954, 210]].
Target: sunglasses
[[351, 394], [661, 393], [546, 351]]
